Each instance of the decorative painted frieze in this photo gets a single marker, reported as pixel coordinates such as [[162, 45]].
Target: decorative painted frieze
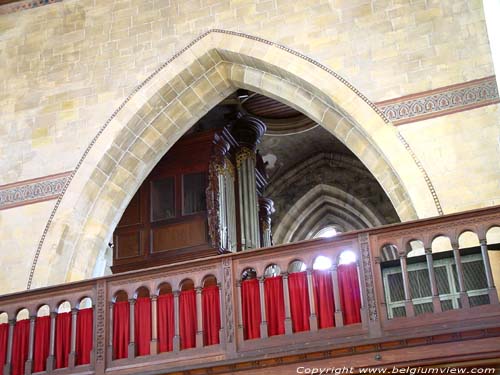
[[16, 6], [32, 191], [440, 102]]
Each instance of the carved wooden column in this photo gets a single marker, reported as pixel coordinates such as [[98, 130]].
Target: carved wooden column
[[153, 349], [28, 367], [464, 298], [111, 349], [177, 337], [8, 361], [100, 350], [51, 358], [72, 353], [492, 292], [288, 315], [228, 318], [313, 319], [199, 319], [240, 308], [217, 209], [131, 345], [410, 310], [339, 319], [221, 304], [248, 130], [266, 209], [263, 323], [436, 303], [362, 296]]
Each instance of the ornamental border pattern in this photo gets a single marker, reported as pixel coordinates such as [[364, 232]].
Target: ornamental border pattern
[[440, 102], [17, 6], [32, 191]]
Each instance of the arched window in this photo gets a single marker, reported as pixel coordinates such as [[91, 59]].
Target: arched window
[[326, 232]]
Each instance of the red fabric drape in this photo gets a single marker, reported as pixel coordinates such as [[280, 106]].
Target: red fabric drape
[[165, 310], [63, 339], [142, 324], [299, 301], [323, 297], [211, 315], [188, 320], [121, 329], [350, 297], [4, 335], [42, 343], [250, 300], [84, 335], [20, 345], [275, 305]]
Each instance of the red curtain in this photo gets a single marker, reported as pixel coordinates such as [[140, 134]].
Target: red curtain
[[211, 315], [63, 339], [121, 329], [323, 297], [187, 316], [84, 335], [142, 324], [20, 345], [275, 305], [165, 310], [299, 301], [350, 297], [4, 335], [42, 343], [250, 300]]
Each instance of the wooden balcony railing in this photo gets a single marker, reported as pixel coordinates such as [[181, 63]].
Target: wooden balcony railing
[[384, 323]]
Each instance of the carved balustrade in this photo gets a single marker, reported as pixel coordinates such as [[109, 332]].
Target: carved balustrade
[[369, 249]]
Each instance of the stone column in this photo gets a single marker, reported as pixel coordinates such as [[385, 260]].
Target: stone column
[[263, 323], [248, 130], [28, 368], [436, 303], [153, 349], [492, 292], [339, 319], [410, 310], [199, 319], [313, 319], [177, 337], [464, 298], [72, 353], [131, 345], [288, 315]]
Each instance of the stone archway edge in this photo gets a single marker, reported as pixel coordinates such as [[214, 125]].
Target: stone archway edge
[[155, 73]]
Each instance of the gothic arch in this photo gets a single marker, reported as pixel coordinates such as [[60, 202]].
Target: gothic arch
[[171, 100], [321, 202]]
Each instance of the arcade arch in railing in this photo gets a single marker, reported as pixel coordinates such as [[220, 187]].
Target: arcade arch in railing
[[167, 321], [45, 338], [436, 273], [302, 298]]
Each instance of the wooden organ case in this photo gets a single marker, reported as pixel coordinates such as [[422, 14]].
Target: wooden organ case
[[203, 198]]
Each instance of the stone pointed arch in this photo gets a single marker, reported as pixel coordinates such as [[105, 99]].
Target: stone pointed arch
[[318, 203], [171, 100]]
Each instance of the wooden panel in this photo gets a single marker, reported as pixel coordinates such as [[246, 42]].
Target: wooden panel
[[132, 214], [127, 244], [180, 235]]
